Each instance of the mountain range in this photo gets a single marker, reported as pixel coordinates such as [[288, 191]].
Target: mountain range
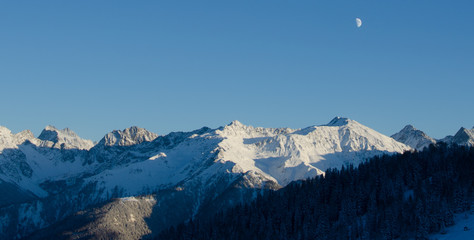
[[134, 183]]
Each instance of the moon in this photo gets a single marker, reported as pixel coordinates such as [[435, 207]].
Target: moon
[[358, 22]]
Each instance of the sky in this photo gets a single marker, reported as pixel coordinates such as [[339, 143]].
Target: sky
[[96, 66]]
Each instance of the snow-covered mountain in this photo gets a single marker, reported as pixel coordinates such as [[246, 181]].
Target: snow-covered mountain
[[418, 139], [64, 138], [187, 173], [413, 137], [463, 137], [10, 140], [280, 155], [128, 137]]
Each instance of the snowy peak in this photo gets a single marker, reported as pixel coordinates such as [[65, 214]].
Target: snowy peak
[[340, 121], [237, 129], [6, 138], [419, 140], [50, 133], [10, 140], [408, 128], [4, 131], [236, 123], [464, 137], [24, 135], [236, 126], [413, 137], [64, 138], [127, 137]]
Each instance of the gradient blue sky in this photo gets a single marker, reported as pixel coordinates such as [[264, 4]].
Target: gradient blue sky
[[95, 66]]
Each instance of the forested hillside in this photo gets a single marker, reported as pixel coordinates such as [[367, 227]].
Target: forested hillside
[[403, 196]]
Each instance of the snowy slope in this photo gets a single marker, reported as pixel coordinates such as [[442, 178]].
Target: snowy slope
[[413, 137], [458, 231]]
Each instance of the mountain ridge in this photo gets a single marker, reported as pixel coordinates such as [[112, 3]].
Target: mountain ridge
[[198, 169], [419, 140]]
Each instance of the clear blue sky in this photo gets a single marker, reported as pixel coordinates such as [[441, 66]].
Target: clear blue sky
[[95, 66]]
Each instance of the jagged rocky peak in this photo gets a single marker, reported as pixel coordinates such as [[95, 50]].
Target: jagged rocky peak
[[49, 133], [465, 131], [236, 123], [339, 121], [127, 137], [408, 128], [413, 137], [24, 135], [10, 140], [65, 138], [236, 128], [464, 137]]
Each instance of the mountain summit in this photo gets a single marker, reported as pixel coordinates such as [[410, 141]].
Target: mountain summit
[[10, 140], [463, 137], [413, 137], [64, 138], [339, 121], [127, 137]]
